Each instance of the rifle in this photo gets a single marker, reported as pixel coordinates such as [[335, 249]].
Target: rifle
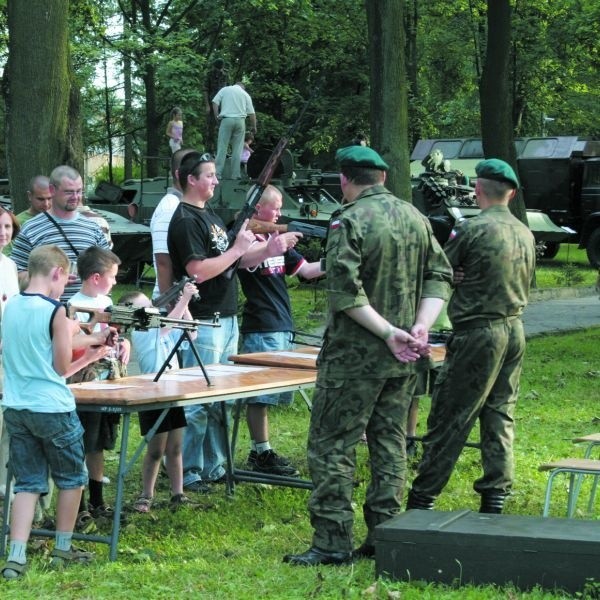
[[173, 292], [262, 181], [126, 317], [257, 226]]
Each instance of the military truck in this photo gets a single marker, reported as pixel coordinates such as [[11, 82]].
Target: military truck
[[560, 178]]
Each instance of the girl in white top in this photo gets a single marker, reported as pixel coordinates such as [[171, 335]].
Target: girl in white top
[[9, 286]]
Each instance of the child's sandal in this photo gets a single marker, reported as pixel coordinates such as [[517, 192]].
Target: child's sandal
[[13, 570], [142, 504]]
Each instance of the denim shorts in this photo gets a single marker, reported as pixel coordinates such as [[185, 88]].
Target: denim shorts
[[268, 342], [42, 442]]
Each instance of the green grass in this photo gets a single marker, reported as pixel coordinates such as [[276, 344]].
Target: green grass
[[233, 549], [570, 268]]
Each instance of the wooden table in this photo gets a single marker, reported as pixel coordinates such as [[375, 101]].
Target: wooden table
[[305, 357], [298, 358], [184, 387]]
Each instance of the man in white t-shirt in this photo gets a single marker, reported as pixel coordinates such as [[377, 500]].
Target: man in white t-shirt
[[159, 227], [231, 105]]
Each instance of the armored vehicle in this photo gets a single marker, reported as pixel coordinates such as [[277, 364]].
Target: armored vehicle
[[304, 199], [560, 178]]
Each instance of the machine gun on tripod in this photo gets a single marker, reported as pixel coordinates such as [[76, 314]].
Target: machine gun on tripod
[[128, 317]]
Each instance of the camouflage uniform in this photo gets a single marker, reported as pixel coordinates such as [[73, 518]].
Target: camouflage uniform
[[480, 376], [380, 251]]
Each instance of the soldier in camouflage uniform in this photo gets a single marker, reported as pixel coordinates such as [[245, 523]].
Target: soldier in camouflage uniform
[[480, 376], [387, 279]]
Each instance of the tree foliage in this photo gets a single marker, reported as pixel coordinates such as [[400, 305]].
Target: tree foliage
[[286, 49]]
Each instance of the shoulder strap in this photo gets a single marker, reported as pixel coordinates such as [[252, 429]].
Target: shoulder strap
[[57, 224]]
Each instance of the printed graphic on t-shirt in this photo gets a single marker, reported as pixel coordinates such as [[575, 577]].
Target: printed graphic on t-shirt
[[218, 238], [273, 267]]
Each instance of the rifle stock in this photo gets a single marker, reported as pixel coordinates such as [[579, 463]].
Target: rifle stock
[[258, 226]]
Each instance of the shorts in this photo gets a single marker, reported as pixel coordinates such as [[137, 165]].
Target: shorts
[[268, 342], [100, 430], [174, 419], [42, 443]]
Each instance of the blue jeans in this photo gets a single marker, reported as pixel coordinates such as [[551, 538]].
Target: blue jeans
[[267, 342], [45, 441], [203, 442]]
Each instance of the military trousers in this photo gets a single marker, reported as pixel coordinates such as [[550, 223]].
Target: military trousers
[[342, 411], [478, 381]]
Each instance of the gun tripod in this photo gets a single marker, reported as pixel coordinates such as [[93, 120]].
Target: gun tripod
[[185, 336]]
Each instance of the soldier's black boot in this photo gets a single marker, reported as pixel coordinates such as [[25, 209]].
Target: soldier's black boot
[[419, 501], [492, 503]]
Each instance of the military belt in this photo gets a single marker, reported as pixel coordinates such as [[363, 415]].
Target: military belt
[[478, 323]]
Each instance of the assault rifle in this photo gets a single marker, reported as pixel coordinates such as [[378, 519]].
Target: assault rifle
[[173, 292], [127, 317], [262, 181], [258, 226]]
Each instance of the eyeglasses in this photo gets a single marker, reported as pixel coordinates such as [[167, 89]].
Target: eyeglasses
[[204, 158], [72, 192]]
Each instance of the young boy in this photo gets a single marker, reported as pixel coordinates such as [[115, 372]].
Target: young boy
[[39, 409], [97, 268], [152, 348]]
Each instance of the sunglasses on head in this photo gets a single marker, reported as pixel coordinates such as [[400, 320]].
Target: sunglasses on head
[[204, 158]]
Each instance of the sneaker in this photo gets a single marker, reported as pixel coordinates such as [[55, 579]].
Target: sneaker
[[199, 487], [270, 462], [62, 558], [85, 523], [105, 513], [45, 523]]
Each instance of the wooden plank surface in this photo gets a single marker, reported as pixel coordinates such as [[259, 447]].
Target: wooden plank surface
[[304, 357], [188, 384], [438, 353]]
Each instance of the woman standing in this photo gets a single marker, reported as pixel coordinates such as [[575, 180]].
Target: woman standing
[[9, 286]]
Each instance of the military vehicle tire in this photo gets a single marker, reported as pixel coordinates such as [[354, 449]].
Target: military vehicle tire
[[551, 250], [592, 248]]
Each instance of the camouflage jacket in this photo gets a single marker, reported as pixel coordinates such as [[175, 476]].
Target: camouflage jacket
[[380, 251], [497, 253]]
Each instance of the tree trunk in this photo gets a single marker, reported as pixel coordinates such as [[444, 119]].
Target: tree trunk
[[496, 95], [389, 112], [37, 90], [128, 31], [127, 120]]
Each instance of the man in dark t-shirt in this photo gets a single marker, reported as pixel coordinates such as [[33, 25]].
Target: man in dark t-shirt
[[201, 247], [267, 325]]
